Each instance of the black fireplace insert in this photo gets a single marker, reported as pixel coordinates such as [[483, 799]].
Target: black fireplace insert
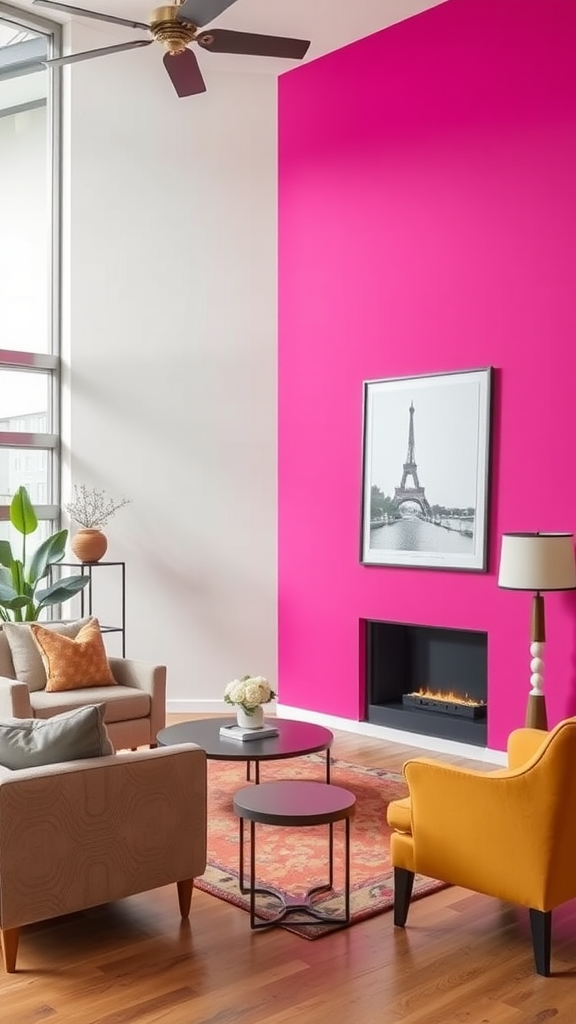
[[427, 679]]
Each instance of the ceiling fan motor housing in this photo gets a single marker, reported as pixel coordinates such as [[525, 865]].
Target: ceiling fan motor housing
[[168, 30]]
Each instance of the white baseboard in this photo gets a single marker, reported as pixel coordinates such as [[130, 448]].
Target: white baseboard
[[198, 707], [410, 739]]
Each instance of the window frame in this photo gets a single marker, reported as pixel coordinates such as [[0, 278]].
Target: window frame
[[48, 361]]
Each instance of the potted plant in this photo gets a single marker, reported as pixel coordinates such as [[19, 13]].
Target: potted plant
[[248, 695], [20, 598], [91, 510]]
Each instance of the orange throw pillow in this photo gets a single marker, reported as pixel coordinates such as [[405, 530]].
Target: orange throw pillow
[[73, 663]]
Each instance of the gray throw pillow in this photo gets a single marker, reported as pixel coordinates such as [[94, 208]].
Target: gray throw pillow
[[26, 657], [76, 734]]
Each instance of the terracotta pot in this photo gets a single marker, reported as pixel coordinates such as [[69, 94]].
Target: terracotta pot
[[89, 545]]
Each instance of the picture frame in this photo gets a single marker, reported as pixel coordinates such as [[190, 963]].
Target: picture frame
[[426, 469]]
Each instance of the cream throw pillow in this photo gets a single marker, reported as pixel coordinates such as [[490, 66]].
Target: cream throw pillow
[[73, 663], [26, 657]]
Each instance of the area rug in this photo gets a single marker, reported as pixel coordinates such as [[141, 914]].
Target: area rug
[[292, 860]]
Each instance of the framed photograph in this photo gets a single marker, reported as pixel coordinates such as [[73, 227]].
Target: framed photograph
[[425, 471]]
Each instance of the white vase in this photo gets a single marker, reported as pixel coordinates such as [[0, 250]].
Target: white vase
[[253, 721]]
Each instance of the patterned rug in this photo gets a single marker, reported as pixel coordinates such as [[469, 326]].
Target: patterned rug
[[293, 860]]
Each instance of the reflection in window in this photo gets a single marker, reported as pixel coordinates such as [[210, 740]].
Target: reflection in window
[[24, 400]]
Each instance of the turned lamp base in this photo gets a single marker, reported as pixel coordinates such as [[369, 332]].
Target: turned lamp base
[[536, 717]]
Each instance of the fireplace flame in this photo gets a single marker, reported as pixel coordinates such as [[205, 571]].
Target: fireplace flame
[[450, 696]]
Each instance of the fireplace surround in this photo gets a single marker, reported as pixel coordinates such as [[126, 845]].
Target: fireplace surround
[[405, 658]]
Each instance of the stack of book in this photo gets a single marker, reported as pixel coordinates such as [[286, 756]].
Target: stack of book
[[236, 732]]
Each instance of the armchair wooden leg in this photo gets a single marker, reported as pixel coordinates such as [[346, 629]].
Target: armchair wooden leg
[[541, 928], [403, 882], [9, 937], [185, 890]]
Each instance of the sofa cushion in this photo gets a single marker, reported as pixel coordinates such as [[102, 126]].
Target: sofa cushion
[[123, 703], [72, 663], [29, 742], [26, 658]]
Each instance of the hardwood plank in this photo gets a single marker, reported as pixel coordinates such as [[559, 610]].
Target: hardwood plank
[[462, 959]]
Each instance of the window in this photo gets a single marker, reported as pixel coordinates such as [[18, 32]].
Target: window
[[29, 265]]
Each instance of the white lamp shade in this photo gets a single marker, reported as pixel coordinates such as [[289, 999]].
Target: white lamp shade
[[537, 561]]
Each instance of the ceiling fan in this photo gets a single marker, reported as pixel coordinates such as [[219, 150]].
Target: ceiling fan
[[176, 26]]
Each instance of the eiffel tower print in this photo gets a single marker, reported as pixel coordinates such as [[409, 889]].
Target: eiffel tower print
[[415, 493]]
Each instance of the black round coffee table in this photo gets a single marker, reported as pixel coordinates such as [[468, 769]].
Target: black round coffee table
[[296, 805], [294, 739]]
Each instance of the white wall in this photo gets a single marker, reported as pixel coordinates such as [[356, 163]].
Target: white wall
[[170, 352]]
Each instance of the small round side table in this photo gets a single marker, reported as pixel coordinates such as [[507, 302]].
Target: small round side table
[[294, 804]]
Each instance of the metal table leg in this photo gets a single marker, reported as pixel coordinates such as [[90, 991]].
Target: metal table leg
[[288, 904]]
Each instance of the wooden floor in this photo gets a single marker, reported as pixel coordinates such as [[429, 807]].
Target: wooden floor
[[462, 959]]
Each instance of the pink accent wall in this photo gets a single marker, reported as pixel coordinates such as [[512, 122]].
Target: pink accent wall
[[427, 223]]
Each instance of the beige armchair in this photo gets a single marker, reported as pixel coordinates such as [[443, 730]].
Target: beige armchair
[[80, 834], [135, 709]]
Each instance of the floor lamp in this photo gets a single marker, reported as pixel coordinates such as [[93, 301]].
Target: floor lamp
[[537, 562]]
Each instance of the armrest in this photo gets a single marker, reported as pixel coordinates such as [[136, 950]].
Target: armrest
[[523, 744], [108, 827], [144, 676], [14, 699], [485, 831], [139, 674]]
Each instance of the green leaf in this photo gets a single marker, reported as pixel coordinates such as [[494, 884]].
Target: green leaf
[[9, 599], [5, 576], [18, 576], [6, 556], [22, 514], [50, 551], [61, 591], [7, 592]]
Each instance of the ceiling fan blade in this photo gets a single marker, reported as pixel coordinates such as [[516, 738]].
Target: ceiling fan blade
[[200, 12], [73, 58], [90, 14], [221, 40], [185, 73]]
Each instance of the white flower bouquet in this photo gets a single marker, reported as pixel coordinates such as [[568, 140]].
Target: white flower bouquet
[[249, 693]]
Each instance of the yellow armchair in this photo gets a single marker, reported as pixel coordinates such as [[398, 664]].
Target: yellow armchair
[[509, 833]]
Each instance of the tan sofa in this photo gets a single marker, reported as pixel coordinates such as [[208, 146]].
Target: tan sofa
[[135, 709], [80, 834]]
